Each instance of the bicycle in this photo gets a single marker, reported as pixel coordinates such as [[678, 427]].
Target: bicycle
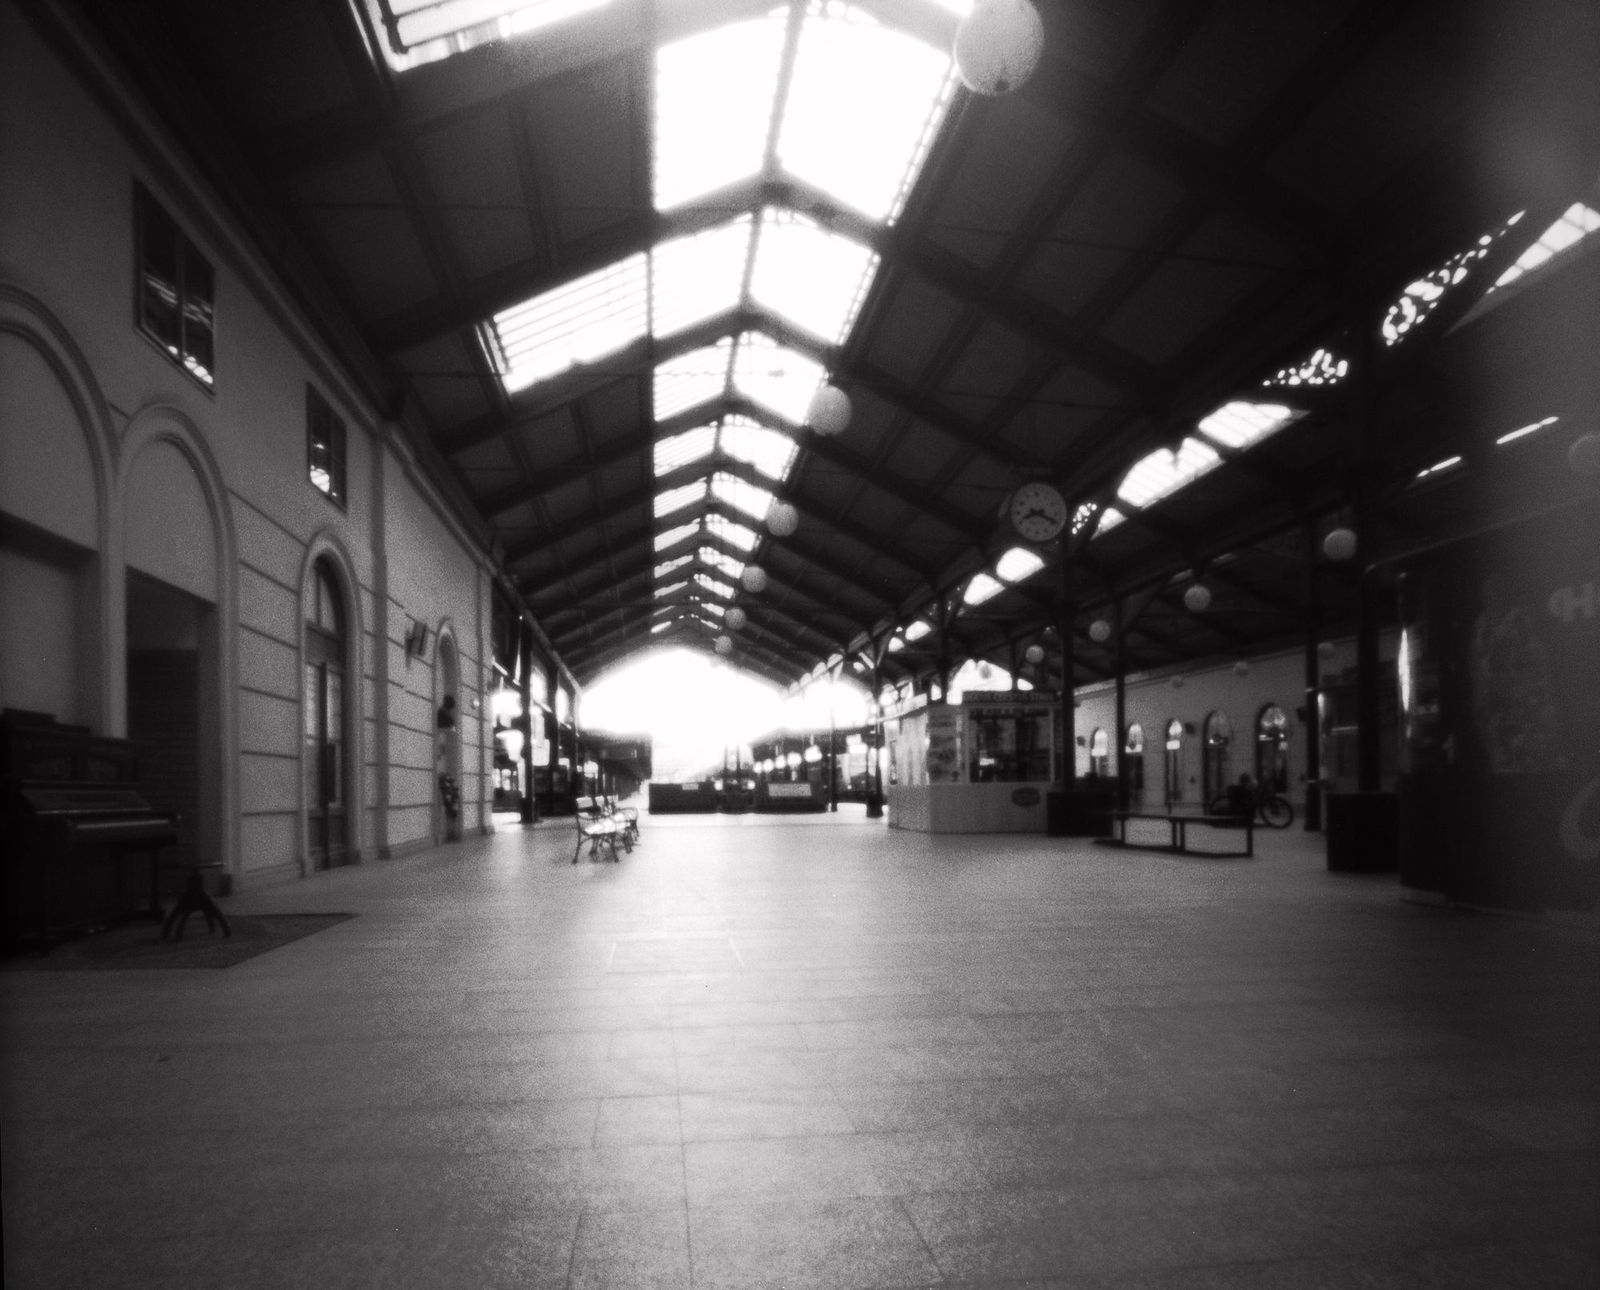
[[1272, 809]]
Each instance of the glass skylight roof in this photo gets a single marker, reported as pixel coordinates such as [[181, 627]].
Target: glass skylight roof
[[1017, 564], [879, 88], [770, 451], [424, 31], [981, 588], [586, 319], [1165, 471], [713, 111], [1239, 425], [1576, 224], [812, 277], [817, 92], [775, 376], [741, 495], [671, 537]]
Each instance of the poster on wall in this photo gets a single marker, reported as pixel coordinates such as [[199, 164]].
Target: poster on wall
[[1500, 695]]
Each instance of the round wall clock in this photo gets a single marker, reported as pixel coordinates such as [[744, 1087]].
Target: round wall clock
[[1037, 511]]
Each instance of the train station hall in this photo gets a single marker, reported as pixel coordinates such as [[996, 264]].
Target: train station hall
[[800, 644]]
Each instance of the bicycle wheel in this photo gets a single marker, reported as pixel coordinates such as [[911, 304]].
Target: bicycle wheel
[[1276, 812]]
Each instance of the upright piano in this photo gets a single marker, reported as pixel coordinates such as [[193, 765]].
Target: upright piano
[[82, 844]]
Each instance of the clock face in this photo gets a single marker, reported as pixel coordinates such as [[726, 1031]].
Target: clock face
[[1038, 512]]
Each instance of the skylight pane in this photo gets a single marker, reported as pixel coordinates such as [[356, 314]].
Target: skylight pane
[[428, 30], [1577, 223], [721, 560], [696, 277], [683, 448], [1164, 472], [775, 376], [598, 314], [675, 499], [1017, 564], [864, 99], [673, 536], [691, 379], [741, 495], [733, 533], [981, 588], [662, 570], [714, 585], [918, 630], [1239, 425], [769, 451], [1109, 519], [714, 96], [810, 276], [1512, 436], [673, 590]]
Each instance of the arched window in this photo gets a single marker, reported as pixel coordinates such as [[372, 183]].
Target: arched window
[[1133, 758], [1173, 787], [1216, 765], [1272, 749], [326, 721]]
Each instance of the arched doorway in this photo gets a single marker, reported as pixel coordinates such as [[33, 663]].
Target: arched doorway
[[1172, 788], [326, 721], [1272, 749], [1133, 758], [1216, 759]]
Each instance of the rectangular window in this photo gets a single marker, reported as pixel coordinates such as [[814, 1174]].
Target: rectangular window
[[324, 446], [175, 291]]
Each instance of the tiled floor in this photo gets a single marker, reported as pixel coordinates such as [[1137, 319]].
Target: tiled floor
[[813, 1052]]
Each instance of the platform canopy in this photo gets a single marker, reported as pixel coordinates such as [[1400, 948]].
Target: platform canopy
[[1228, 276]]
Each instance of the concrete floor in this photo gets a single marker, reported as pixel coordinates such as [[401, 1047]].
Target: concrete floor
[[813, 1052]]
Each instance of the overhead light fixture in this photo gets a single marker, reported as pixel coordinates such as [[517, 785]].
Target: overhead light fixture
[[782, 519], [829, 413], [1198, 597], [1584, 454], [1339, 544], [1100, 630], [735, 618], [998, 45], [753, 579]]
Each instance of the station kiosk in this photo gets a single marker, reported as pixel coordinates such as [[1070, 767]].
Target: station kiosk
[[984, 765]]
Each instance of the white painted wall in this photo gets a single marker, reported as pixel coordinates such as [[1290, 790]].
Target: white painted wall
[[114, 454]]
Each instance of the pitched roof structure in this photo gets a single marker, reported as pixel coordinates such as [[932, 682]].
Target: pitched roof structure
[[1228, 275]]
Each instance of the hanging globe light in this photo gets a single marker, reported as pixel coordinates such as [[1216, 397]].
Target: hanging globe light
[[1242, 667], [1340, 544], [782, 519], [735, 619], [724, 645], [1584, 454], [1100, 630], [998, 45], [1198, 597], [1177, 683], [754, 579], [829, 413], [1034, 653], [1326, 650]]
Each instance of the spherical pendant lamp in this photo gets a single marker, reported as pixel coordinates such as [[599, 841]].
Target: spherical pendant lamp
[[782, 519], [998, 45], [1326, 650], [735, 619], [1242, 667], [1100, 630], [1198, 597], [1340, 544], [829, 413], [754, 579], [724, 645], [1034, 654]]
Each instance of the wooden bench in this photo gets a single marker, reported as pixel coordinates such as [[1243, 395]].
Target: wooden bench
[[1178, 836], [599, 828]]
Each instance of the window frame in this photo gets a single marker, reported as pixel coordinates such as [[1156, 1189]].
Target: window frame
[[320, 411], [189, 269]]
